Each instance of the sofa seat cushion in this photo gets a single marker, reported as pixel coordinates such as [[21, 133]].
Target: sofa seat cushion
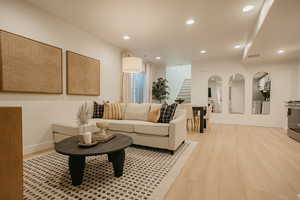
[[131, 126], [118, 125], [150, 128]]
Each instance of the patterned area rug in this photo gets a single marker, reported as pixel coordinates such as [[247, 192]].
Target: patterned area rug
[[148, 174]]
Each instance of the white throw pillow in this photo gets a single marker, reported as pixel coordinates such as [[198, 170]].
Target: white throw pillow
[[137, 112]]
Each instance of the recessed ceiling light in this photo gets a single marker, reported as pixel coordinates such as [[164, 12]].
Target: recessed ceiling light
[[238, 46], [280, 51], [248, 8], [126, 37], [189, 21], [157, 58], [203, 51]]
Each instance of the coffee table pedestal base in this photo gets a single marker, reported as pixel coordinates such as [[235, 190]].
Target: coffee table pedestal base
[[76, 167], [117, 159]]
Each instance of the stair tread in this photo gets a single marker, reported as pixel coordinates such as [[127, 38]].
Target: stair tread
[[185, 91]]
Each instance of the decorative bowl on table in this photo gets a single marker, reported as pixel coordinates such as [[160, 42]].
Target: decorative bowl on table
[[102, 138], [94, 143], [102, 135]]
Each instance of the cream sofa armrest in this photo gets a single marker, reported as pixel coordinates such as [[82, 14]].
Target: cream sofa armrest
[[177, 130]]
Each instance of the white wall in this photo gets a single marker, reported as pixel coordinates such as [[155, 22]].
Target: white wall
[[284, 83], [159, 71], [298, 80], [40, 111], [175, 76], [216, 94]]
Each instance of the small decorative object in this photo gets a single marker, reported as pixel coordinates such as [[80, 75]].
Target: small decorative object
[[102, 136], [83, 119], [179, 100], [83, 114], [160, 90], [86, 138], [102, 126]]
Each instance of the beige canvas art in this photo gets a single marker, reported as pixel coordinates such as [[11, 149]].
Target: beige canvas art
[[83, 75], [29, 66]]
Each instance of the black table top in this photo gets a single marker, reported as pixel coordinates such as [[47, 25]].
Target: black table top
[[70, 146]]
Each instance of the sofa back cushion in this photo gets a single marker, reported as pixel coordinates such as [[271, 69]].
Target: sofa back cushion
[[112, 111], [137, 112], [167, 113]]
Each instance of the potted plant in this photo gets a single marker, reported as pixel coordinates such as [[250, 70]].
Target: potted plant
[[160, 90]]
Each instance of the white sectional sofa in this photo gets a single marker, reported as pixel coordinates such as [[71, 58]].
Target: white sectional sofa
[[159, 135], [134, 124]]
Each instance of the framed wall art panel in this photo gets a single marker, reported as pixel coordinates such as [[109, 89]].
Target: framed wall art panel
[[29, 66], [83, 75]]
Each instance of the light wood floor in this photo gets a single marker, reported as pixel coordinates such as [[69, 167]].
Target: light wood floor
[[235, 162]]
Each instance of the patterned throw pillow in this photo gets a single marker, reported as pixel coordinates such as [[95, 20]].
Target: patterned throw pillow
[[112, 111], [167, 113], [98, 110]]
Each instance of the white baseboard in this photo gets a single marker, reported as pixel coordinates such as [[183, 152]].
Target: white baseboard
[[37, 147], [248, 123]]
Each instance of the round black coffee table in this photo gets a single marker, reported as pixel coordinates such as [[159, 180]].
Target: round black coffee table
[[113, 148]]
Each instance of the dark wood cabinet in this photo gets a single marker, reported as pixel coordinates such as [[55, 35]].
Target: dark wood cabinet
[[11, 153]]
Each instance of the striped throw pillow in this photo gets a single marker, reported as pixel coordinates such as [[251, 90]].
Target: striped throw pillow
[[112, 111]]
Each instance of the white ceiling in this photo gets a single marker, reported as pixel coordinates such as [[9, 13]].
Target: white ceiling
[[281, 30], [157, 27]]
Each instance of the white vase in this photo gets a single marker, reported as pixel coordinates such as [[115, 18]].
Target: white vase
[[86, 137]]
